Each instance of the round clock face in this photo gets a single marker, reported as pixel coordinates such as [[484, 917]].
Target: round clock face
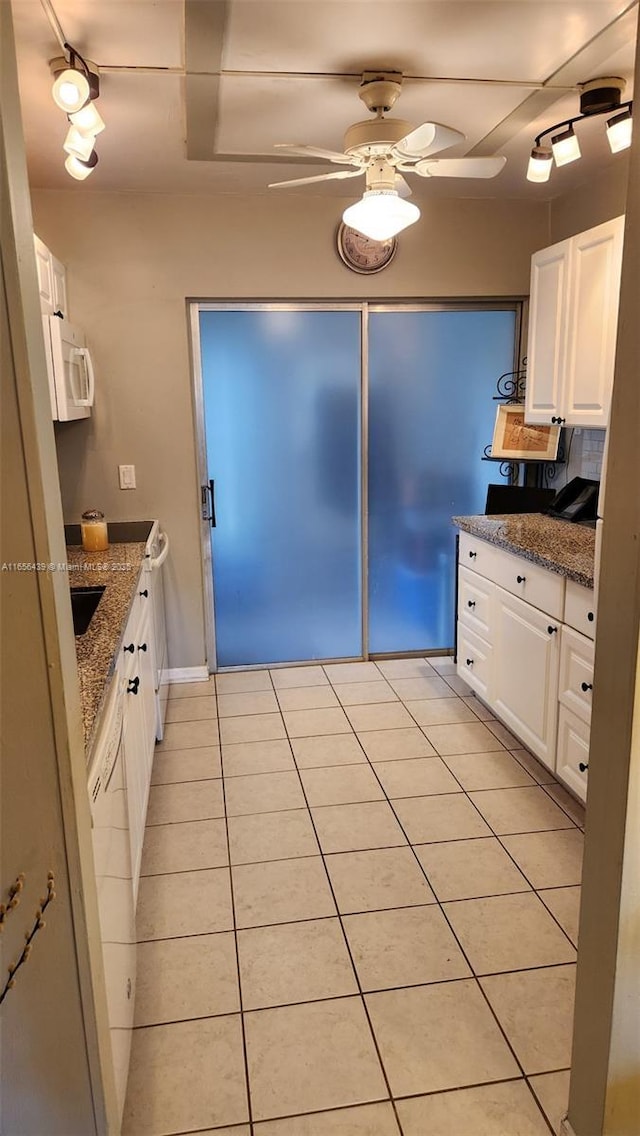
[[361, 254]]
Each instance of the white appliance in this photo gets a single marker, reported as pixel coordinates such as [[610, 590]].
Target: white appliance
[[71, 374], [156, 552], [112, 860]]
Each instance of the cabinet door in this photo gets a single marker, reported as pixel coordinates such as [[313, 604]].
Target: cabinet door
[[576, 672], [474, 662], [526, 653], [45, 276], [547, 332], [59, 287], [573, 752], [146, 690], [592, 323]]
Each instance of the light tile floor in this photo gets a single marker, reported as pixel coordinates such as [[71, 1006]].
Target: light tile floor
[[357, 913]]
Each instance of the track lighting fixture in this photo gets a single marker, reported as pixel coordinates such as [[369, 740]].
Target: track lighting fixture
[[598, 96], [75, 88], [80, 169]]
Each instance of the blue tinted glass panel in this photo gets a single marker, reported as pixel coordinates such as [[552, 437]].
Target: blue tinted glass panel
[[432, 376], [282, 418]]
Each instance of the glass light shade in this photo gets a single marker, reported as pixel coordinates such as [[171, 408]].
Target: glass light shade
[[619, 130], [77, 144], [87, 120], [380, 214], [70, 90], [565, 148], [540, 163], [80, 169]]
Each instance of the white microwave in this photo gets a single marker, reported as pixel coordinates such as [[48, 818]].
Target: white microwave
[[71, 375]]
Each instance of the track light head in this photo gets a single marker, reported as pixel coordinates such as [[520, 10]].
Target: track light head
[[76, 81]]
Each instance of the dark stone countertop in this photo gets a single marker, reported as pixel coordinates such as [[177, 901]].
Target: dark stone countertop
[[118, 568], [557, 545]]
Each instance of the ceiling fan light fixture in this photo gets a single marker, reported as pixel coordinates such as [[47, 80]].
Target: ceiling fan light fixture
[[80, 169], [381, 214], [540, 163], [619, 130], [565, 147]]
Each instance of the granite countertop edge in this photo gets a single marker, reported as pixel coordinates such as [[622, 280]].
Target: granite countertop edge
[[561, 547], [118, 568]]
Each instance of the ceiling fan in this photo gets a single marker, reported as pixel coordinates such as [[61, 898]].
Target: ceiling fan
[[384, 149]]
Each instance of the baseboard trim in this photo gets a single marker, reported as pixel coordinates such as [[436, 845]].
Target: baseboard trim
[[565, 1128], [185, 674]]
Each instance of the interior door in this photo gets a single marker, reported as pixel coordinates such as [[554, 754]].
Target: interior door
[[281, 392]]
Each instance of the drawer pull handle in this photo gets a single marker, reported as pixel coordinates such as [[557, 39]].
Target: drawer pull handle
[[590, 616], [471, 603], [129, 648], [521, 579], [472, 555], [469, 662], [586, 686], [144, 593], [134, 683], [551, 630], [142, 647], [583, 766]]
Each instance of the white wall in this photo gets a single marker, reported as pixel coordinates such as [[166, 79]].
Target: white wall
[[134, 259]]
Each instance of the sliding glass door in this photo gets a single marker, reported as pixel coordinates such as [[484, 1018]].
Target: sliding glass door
[[432, 374], [281, 391], [341, 441]]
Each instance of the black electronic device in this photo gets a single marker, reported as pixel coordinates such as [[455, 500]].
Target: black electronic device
[[577, 502], [517, 499]]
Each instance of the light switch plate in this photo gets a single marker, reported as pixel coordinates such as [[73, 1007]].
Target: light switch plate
[[127, 475]]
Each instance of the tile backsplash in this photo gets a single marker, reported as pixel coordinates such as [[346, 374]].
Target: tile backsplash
[[586, 454]]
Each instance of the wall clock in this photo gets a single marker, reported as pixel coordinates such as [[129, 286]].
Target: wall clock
[[360, 253]]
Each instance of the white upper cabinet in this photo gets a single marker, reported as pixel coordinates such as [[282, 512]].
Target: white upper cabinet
[[572, 329], [52, 281], [547, 318]]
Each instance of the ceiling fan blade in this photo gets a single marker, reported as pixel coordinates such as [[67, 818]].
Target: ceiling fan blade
[[318, 177], [428, 138], [460, 167], [402, 187], [315, 152]]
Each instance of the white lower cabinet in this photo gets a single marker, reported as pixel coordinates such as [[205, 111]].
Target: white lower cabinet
[[523, 650], [139, 722], [526, 656], [573, 751], [474, 661]]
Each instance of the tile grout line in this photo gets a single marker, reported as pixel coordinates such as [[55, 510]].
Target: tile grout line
[[235, 938], [351, 959]]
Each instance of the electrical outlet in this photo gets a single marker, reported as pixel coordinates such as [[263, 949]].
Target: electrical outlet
[[127, 475]]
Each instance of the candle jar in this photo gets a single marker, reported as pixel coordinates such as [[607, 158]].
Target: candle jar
[[95, 536]]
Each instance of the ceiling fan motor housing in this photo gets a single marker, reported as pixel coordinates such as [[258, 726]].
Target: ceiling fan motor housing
[[375, 136]]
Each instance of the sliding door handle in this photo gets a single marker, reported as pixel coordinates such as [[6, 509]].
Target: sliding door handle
[[208, 503]]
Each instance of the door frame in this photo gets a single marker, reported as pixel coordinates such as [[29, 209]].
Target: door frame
[[195, 307]]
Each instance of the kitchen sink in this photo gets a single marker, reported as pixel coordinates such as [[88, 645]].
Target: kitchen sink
[[84, 602]]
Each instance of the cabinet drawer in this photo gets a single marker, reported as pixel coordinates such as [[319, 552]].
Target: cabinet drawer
[[580, 608], [474, 602], [532, 583], [474, 661], [576, 673], [572, 758], [477, 554]]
